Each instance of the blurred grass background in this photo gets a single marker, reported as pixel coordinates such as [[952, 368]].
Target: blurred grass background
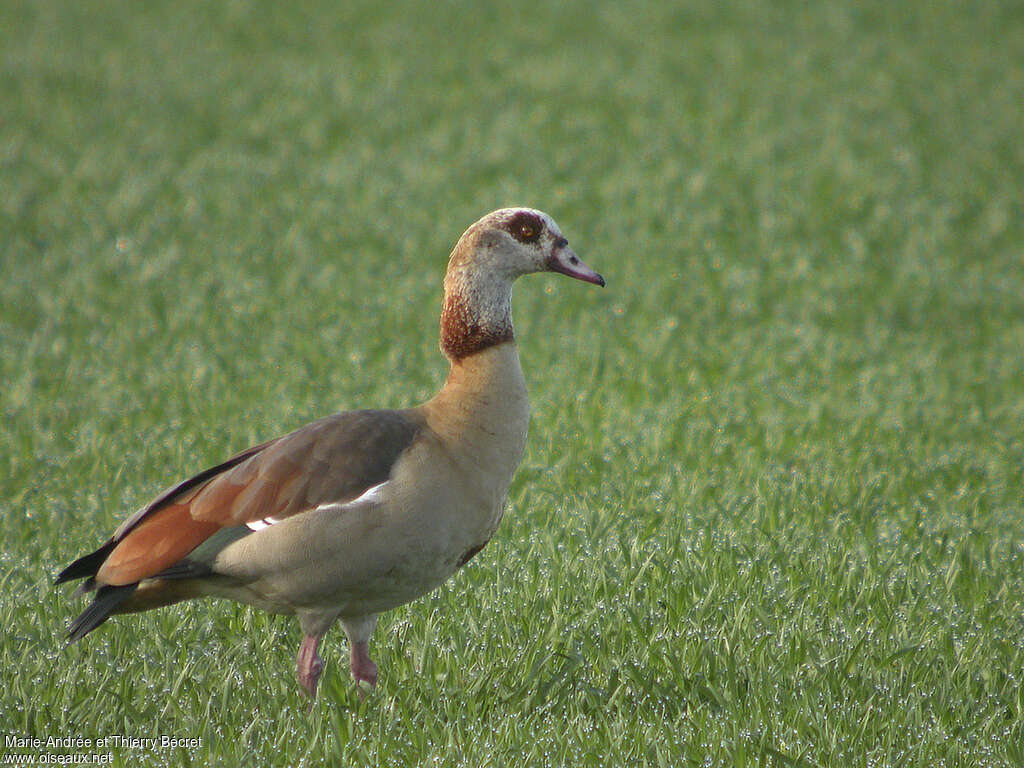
[[770, 512]]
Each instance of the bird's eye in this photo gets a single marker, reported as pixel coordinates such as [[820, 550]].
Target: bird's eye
[[525, 227]]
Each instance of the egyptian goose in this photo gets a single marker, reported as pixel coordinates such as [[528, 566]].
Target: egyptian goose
[[362, 511]]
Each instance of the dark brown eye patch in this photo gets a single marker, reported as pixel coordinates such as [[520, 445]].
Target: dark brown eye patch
[[525, 227]]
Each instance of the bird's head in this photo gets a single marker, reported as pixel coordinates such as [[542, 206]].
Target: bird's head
[[511, 242], [488, 258]]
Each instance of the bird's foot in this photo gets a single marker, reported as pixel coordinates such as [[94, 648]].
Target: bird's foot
[[310, 665], [363, 669]]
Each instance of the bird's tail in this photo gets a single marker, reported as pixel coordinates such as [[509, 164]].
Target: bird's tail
[[103, 605]]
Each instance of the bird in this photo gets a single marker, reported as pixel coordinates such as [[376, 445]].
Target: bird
[[362, 511]]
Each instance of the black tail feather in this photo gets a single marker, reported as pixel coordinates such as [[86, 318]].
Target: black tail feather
[[86, 565], [99, 610]]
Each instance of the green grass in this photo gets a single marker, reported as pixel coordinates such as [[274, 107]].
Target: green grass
[[771, 507]]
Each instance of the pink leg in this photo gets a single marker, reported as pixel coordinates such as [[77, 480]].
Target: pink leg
[[363, 668], [310, 664]]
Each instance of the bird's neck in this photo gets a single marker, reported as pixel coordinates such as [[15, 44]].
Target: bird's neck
[[476, 315], [482, 412]]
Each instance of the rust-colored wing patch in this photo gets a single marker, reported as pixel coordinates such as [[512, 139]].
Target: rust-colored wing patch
[[159, 541]]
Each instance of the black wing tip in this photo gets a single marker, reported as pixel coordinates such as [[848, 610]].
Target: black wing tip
[[98, 611], [87, 565]]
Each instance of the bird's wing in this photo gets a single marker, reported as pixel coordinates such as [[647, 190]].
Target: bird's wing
[[332, 460]]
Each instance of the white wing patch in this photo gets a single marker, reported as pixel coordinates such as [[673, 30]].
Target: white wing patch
[[266, 522], [369, 495]]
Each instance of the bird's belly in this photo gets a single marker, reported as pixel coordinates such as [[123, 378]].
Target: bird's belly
[[365, 561], [411, 571]]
